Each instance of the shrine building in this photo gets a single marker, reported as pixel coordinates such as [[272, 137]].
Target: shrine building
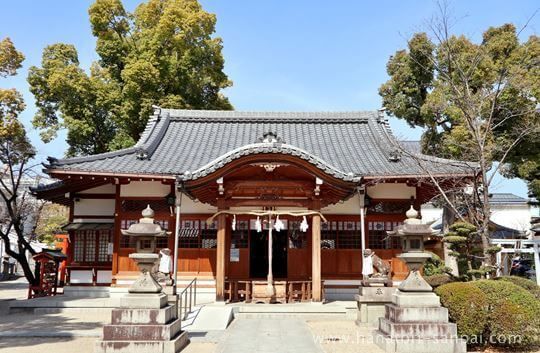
[[338, 181]]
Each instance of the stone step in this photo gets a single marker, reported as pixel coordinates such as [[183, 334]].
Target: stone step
[[415, 314], [141, 332], [173, 346], [417, 330]]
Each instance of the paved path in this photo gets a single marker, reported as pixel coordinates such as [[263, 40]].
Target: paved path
[[268, 335]]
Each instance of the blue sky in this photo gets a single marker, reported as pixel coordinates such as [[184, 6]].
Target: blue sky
[[281, 55]]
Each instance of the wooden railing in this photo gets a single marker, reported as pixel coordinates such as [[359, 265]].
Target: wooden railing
[[242, 290]]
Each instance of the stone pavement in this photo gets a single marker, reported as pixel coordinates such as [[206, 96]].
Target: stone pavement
[[268, 335]]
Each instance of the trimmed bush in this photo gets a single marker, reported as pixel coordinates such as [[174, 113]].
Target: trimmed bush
[[524, 283], [467, 307], [438, 280], [513, 313]]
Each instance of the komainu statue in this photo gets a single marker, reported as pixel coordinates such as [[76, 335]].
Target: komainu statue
[[375, 270]]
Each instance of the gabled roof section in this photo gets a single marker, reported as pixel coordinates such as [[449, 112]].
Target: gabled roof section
[[195, 143]]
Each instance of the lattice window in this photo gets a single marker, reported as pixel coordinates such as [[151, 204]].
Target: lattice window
[[209, 235], [378, 237], [125, 240], [189, 234], [78, 247], [297, 238], [349, 235], [240, 236], [162, 242], [91, 246], [329, 235]]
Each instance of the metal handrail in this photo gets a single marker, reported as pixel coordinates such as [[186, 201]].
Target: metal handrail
[[190, 292]]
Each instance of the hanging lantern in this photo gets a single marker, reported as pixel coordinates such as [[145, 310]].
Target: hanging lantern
[[233, 224], [304, 225]]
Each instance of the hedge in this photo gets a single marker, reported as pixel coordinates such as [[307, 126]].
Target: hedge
[[524, 283], [496, 312], [513, 312], [467, 306]]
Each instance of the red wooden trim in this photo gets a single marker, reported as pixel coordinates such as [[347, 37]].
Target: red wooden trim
[[94, 196], [92, 216]]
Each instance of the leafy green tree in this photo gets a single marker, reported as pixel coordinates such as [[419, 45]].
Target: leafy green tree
[[445, 86], [476, 101], [15, 153], [163, 53], [50, 220]]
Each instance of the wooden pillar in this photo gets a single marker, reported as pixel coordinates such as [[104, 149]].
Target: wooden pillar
[[316, 258], [220, 252], [116, 233]]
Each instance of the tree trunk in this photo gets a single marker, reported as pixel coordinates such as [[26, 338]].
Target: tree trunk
[[448, 218]]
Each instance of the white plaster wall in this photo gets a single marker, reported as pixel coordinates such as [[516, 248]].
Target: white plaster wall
[[349, 207], [80, 276], [104, 277], [391, 191], [103, 189], [145, 188], [430, 213], [97, 207], [190, 206], [515, 217]]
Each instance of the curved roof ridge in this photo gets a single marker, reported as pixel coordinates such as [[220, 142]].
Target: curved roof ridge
[[271, 116], [268, 147], [146, 144]]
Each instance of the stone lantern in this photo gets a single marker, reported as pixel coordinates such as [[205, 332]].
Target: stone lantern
[[145, 320], [145, 233], [415, 321], [413, 235]]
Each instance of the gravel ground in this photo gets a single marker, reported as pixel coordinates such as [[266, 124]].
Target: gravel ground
[[343, 336]]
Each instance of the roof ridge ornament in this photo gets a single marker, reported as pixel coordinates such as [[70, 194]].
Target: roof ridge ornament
[[394, 155], [270, 137]]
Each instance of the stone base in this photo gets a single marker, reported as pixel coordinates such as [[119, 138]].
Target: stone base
[[418, 299], [441, 345], [143, 301], [371, 303], [137, 332], [416, 322], [173, 346], [143, 316], [144, 323], [417, 330], [400, 314]]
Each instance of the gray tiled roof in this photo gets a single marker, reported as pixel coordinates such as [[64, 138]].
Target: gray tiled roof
[[506, 198], [194, 143]]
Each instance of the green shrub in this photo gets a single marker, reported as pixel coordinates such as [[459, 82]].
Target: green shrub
[[524, 283], [467, 307], [435, 266], [438, 280], [512, 312]]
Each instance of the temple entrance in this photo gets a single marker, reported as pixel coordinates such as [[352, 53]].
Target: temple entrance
[[258, 254]]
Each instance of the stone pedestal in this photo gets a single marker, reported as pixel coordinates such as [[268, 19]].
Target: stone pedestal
[[416, 322], [144, 323], [371, 302]]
